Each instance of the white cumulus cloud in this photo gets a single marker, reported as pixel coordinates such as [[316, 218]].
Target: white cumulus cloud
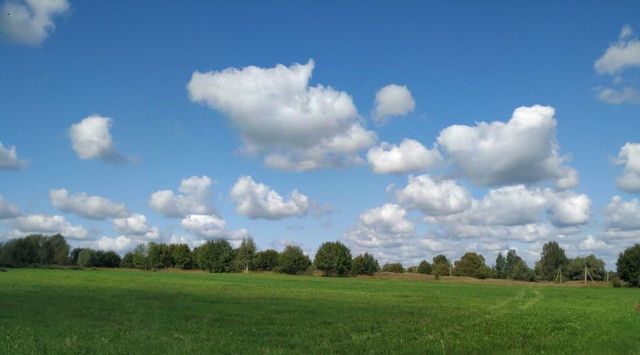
[[629, 157], [193, 198], [44, 224], [9, 158], [293, 125], [257, 200], [91, 139], [135, 225], [623, 54], [393, 100], [93, 207], [382, 227], [409, 156], [29, 22], [433, 198], [522, 150], [211, 226]]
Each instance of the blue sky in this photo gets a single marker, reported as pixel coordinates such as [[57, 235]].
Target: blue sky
[[449, 63]]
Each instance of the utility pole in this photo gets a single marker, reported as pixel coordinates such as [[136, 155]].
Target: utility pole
[[450, 270], [585, 274]]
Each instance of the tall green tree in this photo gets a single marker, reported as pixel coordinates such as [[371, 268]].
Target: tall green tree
[[245, 255], [501, 266], [216, 256], [441, 265], [552, 261], [333, 259], [181, 256], [424, 267], [629, 265]]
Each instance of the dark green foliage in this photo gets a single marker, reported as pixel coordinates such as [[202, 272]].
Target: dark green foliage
[[245, 256], [159, 256], [97, 258], [521, 272], [333, 259], [181, 256], [595, 267], [472, 265], [364, 264], [140, 259], [501, 267], [393, 267], [35, 249], [85, 258], [73, 256], [629, 265], [266, 260], [441, 265], [216, 256], [513, 267], [127, 261], [552, 260], [293, 261], [424, 267]]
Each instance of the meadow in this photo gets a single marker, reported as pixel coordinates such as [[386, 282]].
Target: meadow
[[104, 311]]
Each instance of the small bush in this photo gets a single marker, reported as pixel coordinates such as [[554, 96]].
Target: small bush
[[293, 261], [364, 264]]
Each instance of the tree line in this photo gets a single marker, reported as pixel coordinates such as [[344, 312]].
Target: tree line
[[331, 259]]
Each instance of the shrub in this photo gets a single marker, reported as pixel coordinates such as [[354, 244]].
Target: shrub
[[333, 259], [472, 264], [293, 261], [364, 264], [629, 265], [424, 267], [266, 260], [393, 267], [216, 256]]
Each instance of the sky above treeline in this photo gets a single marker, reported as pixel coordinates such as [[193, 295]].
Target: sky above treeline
[[406, 130]]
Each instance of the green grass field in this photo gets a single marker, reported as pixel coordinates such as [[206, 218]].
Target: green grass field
[[126, 311]]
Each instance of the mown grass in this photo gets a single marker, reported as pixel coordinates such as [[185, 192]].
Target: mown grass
[[127, 311]]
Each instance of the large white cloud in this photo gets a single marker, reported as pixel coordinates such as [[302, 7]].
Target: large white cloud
[[619, 57], [382, 227], [622, 216], [44, 224], [7, 209], [30, 21], [409, 156], [91, 139], [257, 200], [623, 54], [522, 150], [211, 226], [393, 100], [193, 198], [433, 198], [9, 158], [93, 207], [135, 225], [294, 125], [629, 157]]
